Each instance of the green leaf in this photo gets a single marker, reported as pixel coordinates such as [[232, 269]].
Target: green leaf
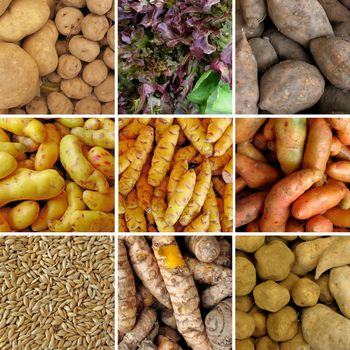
[[220, 101], [204, 87]]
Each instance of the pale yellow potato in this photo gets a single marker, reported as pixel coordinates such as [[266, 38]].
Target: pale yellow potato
[[265, 343], [249, 244], [289, 281], [19, 74], [23, 215], [74, 3], [245, 276], [108, 58], [111, 37], [245, 302], [298, 342], [245, 325], [245, 344], [22, 18], [8, 164], [25, 184], [99, 201], [92, 221], [41, 46], [37, 105], [260, 321]]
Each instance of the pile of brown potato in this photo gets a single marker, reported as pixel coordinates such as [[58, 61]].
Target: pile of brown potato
[[57, 56]]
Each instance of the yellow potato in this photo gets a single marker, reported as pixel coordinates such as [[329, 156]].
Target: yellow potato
[[106, 123], [78, 167], [25, 184], [22, 18], [102, 137], [19, 81], [48, 151], [30, 145], [92, 221], [4, 226], [25, 127], [14, 148], [41, 46], [3, 136], [4, 5], [102, 160], [99, 201], [8, 164], [54, 209], [23, 215], [71, 122], [75, 202]]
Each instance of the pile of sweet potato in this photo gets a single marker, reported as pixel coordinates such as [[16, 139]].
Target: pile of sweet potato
[[292, 56], [293, 174]]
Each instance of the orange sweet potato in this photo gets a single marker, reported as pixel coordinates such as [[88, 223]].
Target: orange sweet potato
[[254, 173], [335, 146], [318, 200], [319, 223], [282, 195], [339, 170], [247, 127], [339, 217]]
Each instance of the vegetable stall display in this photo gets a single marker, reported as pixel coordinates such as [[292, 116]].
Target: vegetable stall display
[[292, 56], [293, 174], [175, 57], [292, 292], [175, 175], [57, 57], [174, 293]]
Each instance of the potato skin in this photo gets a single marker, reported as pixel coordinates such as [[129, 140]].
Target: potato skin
[[58, 103], [301, 20], [19, 72], [41, 46], [332, 56], [99, 7], [94, 27], [84, 49], [247, 88], [13, 27], [264, 53], [4, 5], [68, 21], [75, 88], [95, 73], [105, 91], [325, 329], [290, 87]]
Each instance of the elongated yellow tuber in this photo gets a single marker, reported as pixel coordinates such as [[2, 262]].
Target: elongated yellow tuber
[[216, 128]]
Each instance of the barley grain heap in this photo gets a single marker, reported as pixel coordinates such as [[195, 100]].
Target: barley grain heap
[[56, 293]]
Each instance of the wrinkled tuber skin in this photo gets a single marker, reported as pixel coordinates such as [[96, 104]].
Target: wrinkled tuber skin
[[214, 294], [183, 292], [218, 323], [325, 329], [207, 273], [127, 291], [142, 328], [264, 53], [254, 12], [336, 12], [300, 20], [334, 101], [247, 88], [286, 48], [146, 268], [204, 248], [290, 87], [332, 56], [225, 256]]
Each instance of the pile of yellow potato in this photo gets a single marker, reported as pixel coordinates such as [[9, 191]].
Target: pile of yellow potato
[[57, 57], [175, 174], [57, 174]]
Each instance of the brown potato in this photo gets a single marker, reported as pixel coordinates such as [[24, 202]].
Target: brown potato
[[108, 58], [95, 73], [99, 7], [84, 49], [105, 91], [19, 81], [108, 108], [68, 66], [111, 37], [94, 27], [75, 88], [68, 21], [88, 105], [4, 4], [59, 103], [37, 106]]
